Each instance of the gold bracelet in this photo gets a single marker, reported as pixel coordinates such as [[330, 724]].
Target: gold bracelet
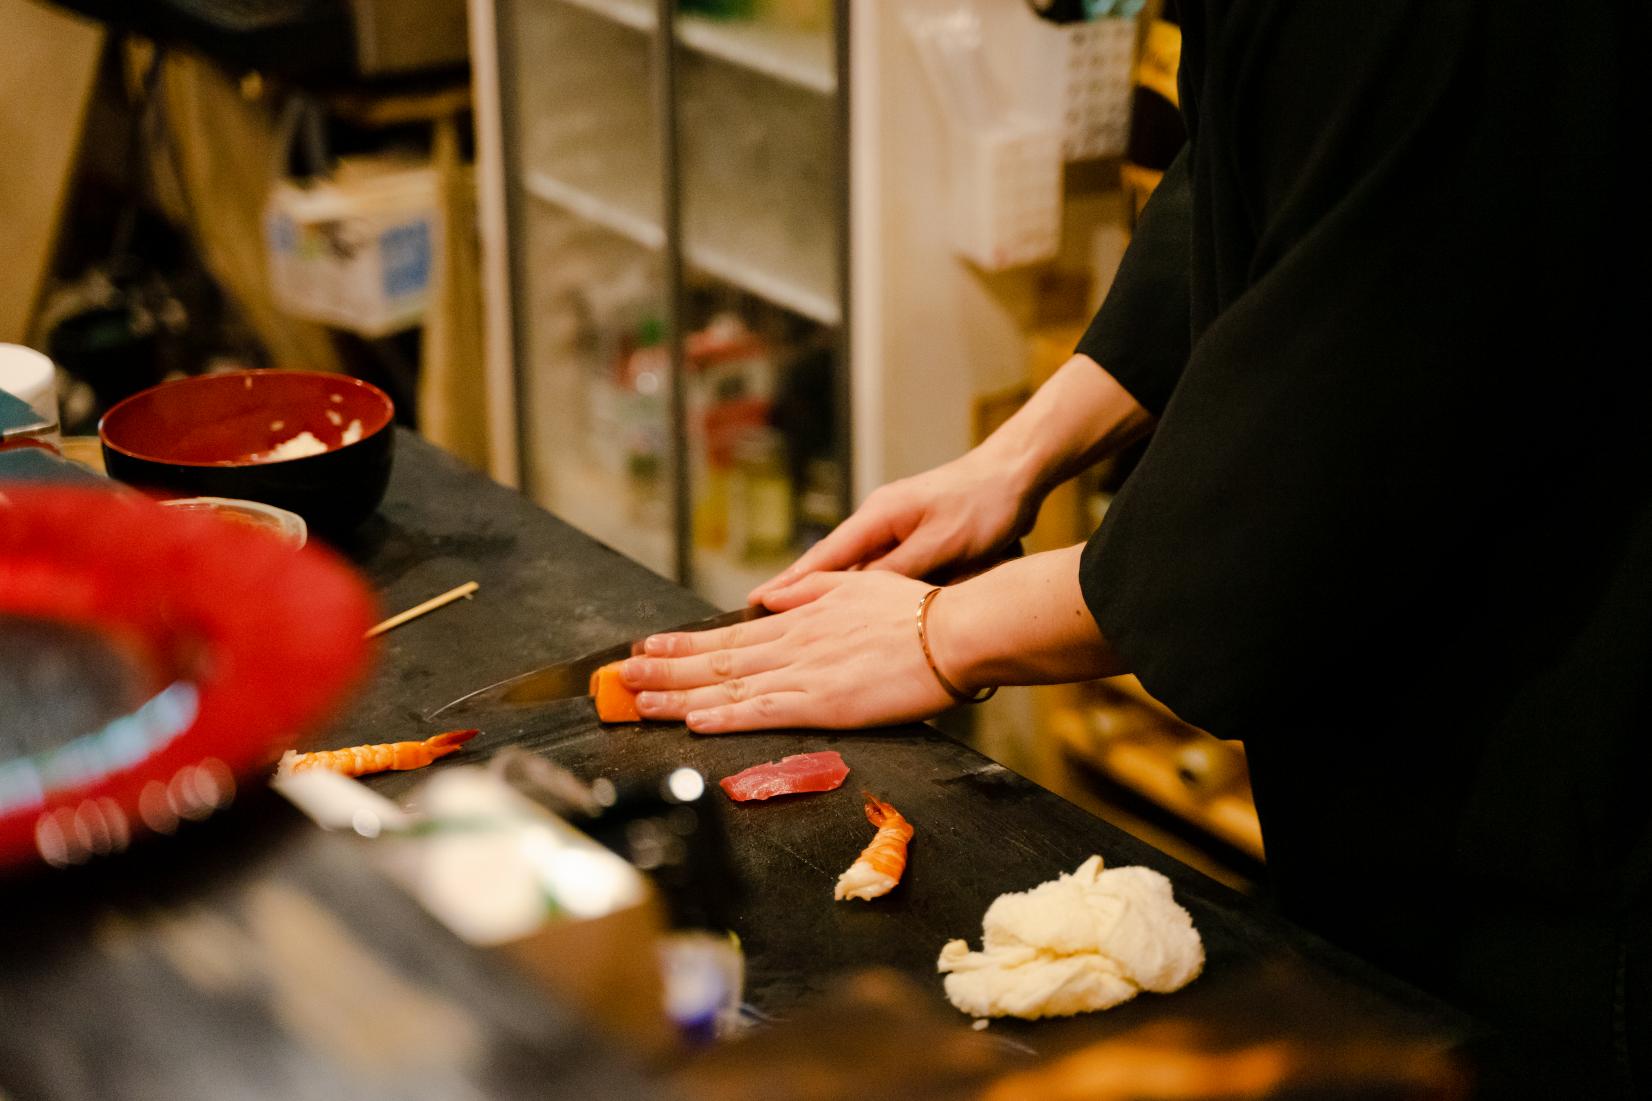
[[923, 640]]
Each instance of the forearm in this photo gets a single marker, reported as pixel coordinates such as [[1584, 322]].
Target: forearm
[[1080, 415], [1024, 622]]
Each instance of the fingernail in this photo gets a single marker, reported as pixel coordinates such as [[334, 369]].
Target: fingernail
[[656, 644], [704, 722], [647, 701], [636, 669]]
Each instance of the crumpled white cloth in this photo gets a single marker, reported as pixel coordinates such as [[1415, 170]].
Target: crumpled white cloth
[[1080, 942]]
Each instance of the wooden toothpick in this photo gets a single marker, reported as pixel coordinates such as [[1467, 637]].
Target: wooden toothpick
[[460, 593]]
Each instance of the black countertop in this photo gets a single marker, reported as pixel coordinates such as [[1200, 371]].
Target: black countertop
[[171, 971]]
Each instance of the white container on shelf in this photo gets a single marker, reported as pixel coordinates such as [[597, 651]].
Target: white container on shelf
[[1078, 75], [1006, 199], [1005, 162]]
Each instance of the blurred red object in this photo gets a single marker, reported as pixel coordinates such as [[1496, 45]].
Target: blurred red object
[[236, 643]]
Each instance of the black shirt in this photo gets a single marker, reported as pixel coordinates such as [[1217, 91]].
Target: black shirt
[[1394, 528]]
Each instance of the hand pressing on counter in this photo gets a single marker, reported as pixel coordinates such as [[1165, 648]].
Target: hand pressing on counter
[[966, 513], [843, 650], [959, 516]]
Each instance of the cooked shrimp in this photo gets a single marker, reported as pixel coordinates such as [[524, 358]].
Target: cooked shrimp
[[357, 760], [879, 866]]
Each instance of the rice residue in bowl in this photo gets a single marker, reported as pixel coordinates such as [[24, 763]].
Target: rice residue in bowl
[[306, 444]]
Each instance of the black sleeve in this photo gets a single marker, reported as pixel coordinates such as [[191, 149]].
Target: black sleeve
[[1140, 334], [1408, 330]]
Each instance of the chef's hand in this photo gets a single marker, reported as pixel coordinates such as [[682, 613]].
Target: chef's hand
[[956, 517], [841, 652], [966, 514]]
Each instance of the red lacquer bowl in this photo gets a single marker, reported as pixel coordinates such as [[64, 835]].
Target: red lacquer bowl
[[212, 436]]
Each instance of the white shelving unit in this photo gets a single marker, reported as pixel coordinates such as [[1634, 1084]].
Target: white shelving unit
[[924, 332], [577, 152]]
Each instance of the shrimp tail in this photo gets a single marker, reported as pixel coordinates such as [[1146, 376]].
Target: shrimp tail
[[877, 811], [449, 741], [406, 755]]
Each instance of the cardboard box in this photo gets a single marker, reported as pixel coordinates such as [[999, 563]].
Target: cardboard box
[[358, 251]]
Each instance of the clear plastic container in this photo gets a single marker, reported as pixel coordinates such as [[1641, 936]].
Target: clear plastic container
[[287, 526]]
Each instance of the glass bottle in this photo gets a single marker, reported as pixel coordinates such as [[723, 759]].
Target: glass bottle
[[760, 513]]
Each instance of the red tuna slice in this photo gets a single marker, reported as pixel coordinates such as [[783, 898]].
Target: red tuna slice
[[798, 773]]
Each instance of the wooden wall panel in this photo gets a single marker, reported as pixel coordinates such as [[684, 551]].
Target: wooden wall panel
[[48, 62]]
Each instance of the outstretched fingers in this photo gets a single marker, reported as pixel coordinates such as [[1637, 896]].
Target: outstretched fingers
[[681, 702], [697, 670], [764, 712], [687, 643]]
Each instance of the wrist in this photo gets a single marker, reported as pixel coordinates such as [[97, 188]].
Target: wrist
[[1023, 622], [1017, 461], [957, 640], [1064, 425]]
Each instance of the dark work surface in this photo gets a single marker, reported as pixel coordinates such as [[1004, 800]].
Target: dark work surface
[[549, 593], [254, 956]]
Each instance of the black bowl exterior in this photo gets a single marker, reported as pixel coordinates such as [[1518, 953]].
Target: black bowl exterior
[[334, 491]]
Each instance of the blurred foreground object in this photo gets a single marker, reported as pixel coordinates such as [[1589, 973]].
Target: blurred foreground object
[[149, 660], [877, 1034], [503, 873], [872, 1035], [1309, 1045], [1179, 1061]]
